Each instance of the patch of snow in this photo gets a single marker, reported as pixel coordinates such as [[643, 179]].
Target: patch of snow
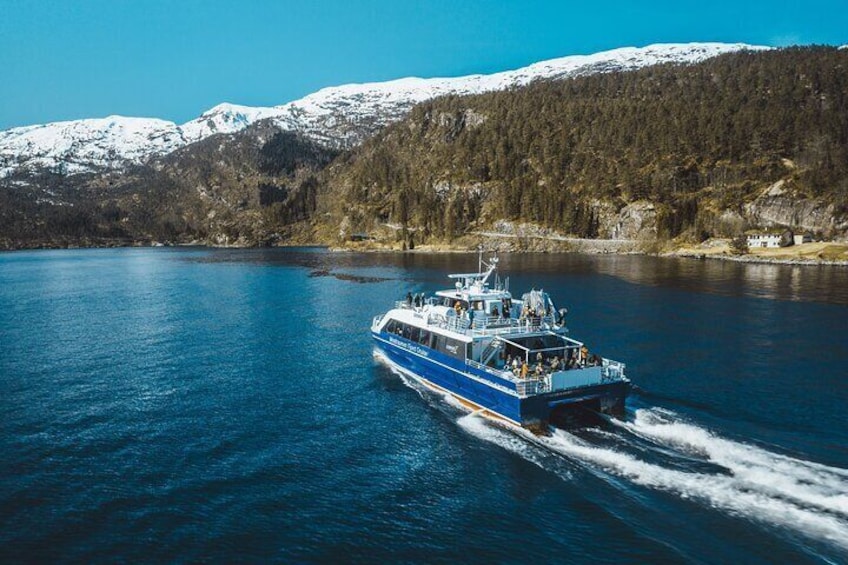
[[340, 116]]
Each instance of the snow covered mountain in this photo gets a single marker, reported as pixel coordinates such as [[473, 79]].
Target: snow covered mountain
[[339, 116]]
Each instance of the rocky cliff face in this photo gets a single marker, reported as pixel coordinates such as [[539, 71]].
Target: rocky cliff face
[[777, 206]]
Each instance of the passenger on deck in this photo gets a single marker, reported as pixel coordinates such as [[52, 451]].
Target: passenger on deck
[[584, 356], [524, 369], [515, 365], [539, 358], [409, 299], [539, 369], [495, 312], [555, 363]]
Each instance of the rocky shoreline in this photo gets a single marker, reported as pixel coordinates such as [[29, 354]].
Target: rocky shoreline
[[467, 244], [757, 259]]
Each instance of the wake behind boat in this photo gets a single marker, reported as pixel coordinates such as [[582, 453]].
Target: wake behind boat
[[511, 359]]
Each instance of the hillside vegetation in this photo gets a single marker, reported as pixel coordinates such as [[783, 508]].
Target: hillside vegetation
[[662, 152], [255, 187]]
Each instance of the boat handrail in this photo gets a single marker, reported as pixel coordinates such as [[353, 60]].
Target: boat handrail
[[491, 325], [480, 326], [527, 386], [531, 386], [502, 373], [612, 370]]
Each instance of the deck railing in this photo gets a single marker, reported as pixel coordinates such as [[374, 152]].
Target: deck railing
[[529, 387], [612, 370], [506, 375], [481, 325], [524, 387]]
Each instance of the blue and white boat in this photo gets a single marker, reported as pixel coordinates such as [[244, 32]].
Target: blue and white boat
[[507, 358]]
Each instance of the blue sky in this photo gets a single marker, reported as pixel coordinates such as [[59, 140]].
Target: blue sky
[[175, 59]]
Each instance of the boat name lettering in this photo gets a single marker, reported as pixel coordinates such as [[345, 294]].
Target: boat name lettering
[[414, 348]]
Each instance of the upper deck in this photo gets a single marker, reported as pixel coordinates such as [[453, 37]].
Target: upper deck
[[474, 309], [478, 324]]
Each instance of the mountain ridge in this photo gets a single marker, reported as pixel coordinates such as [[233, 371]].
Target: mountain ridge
[[337, 117]]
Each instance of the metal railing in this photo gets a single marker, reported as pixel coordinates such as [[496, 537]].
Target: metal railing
[[504, 374], [612, 371], [529, 387], [524, 387], [481, 325]]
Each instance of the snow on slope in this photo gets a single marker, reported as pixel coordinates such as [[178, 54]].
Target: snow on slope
[[339, 116], [80, 145]]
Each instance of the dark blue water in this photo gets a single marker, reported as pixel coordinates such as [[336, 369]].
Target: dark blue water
[[211, 405]]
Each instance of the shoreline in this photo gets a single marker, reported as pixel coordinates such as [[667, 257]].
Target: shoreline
[[595, 247], [754, 259]]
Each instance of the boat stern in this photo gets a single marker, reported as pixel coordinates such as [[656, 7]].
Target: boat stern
[[567, 397]]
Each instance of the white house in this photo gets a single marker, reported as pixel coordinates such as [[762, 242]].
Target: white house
[[803, 238], [770, 239]]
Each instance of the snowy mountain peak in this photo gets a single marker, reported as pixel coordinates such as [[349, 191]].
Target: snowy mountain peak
[[224, 118], [339, 116]]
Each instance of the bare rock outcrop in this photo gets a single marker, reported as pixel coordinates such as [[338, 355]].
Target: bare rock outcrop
[[778, 206]]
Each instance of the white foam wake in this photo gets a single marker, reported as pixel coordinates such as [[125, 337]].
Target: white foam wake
[[479, 427], [767, 487], [728, 493], [802, 496], [804, 482]]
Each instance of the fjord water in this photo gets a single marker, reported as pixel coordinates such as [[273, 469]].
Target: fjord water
[[218, 405]]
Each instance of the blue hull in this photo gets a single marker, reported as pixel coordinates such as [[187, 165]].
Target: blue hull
[[449, 374], [498, 396]]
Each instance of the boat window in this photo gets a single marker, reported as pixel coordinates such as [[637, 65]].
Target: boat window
[[413, 333], [451, 303], [439, 343], [424, 338], [391, 327], [449, 346]]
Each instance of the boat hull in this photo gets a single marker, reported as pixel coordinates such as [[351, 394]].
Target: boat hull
[[492, 395]]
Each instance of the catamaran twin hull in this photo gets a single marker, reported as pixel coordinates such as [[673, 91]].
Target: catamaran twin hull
[[498, 397]]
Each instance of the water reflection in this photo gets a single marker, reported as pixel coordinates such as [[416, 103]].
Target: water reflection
[[826, 284]]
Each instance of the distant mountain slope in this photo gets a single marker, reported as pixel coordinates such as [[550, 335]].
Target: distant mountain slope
[[337, 117], [243, 188]]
